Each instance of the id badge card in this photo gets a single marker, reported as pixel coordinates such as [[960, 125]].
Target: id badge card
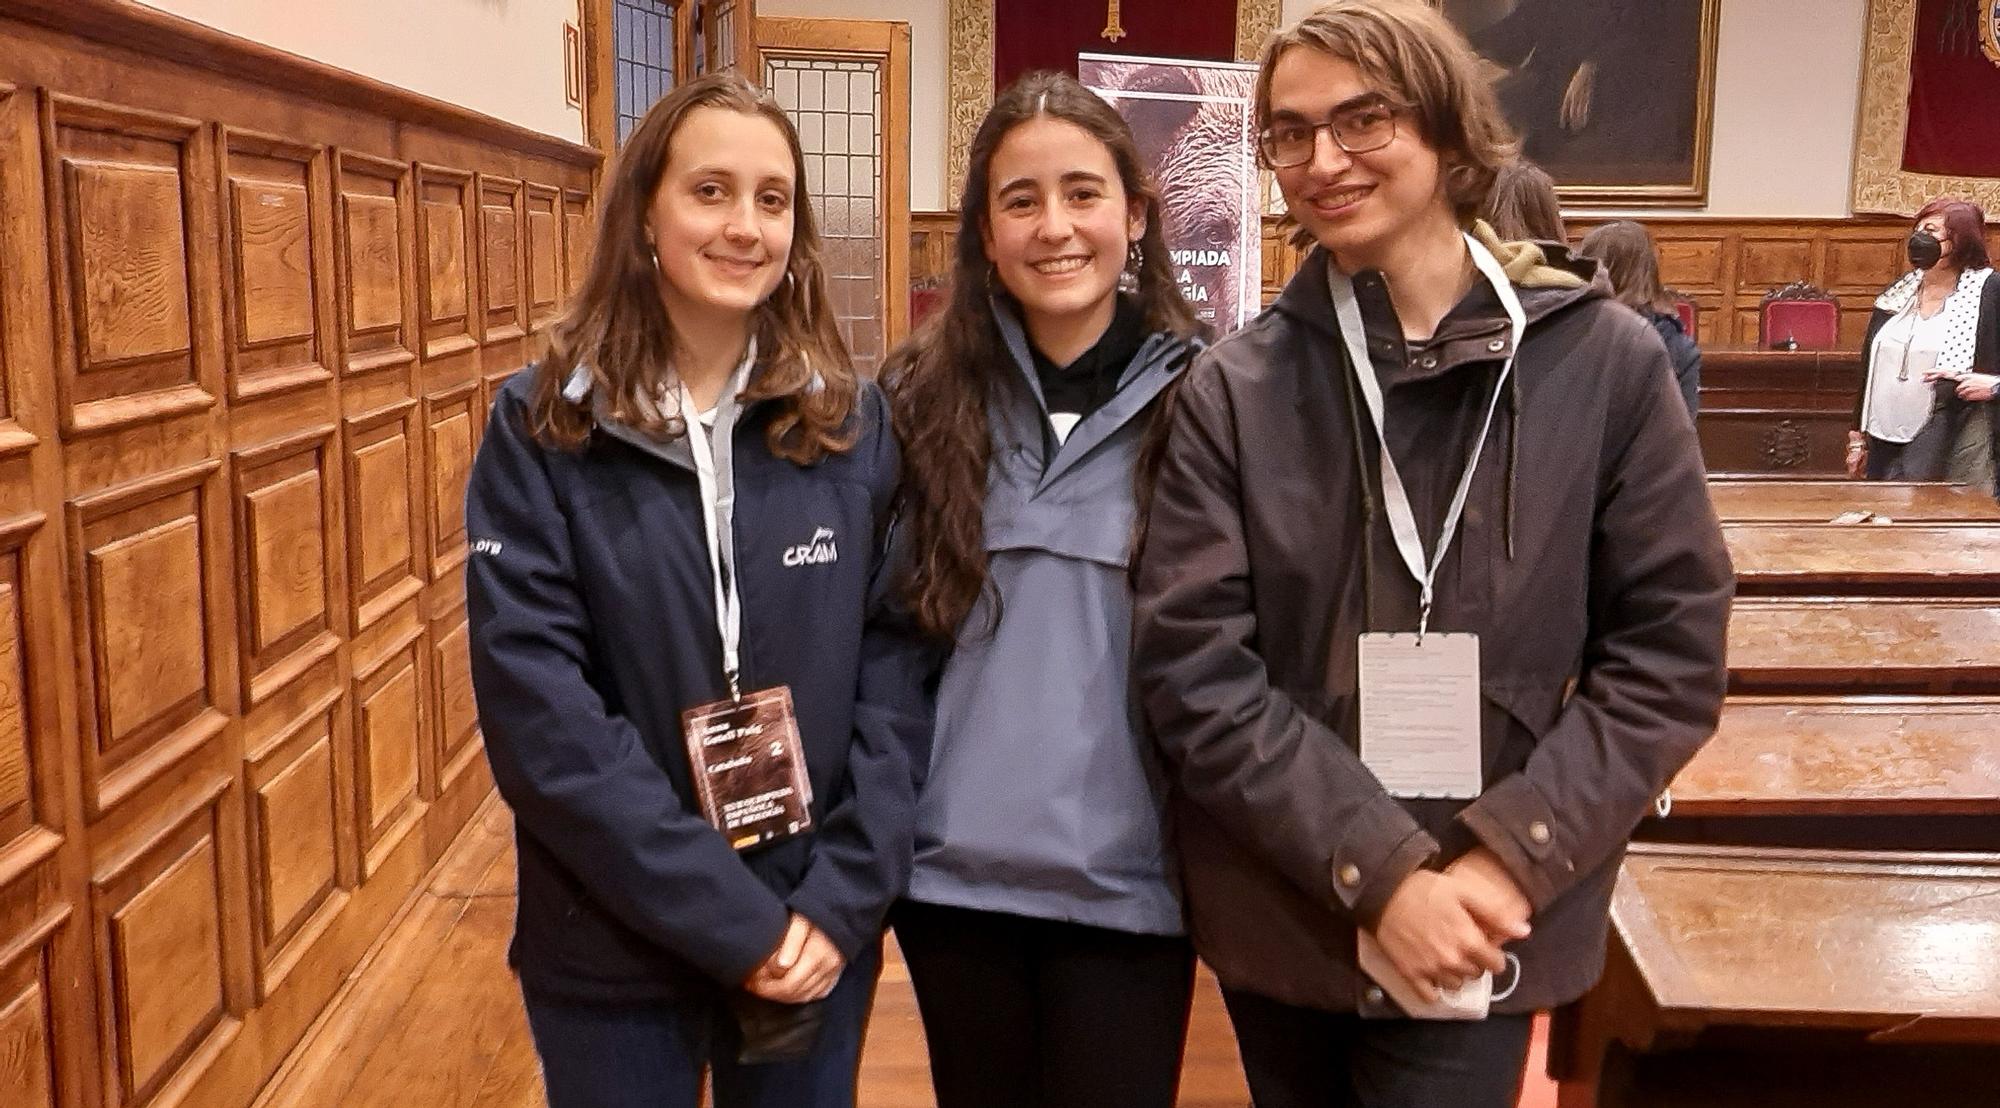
[[749, 767], [1420, 714]]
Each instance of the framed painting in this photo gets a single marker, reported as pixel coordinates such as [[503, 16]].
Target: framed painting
[[1615, 99]]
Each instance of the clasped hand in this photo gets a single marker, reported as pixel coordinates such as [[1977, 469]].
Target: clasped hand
[[804, 968], [1442, 930]]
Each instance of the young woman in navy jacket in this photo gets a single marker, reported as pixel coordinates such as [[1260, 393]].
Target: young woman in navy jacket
[[688, 500]]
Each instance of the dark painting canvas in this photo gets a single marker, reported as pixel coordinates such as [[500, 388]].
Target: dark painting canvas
[[1612, 97]]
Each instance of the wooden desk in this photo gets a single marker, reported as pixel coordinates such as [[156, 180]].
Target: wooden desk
[[1836, 756], [1777, 412], [1787, 501], [1876, 645], [1825, 559], [1864, 948]]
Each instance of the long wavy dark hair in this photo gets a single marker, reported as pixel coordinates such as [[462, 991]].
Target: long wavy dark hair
[[618, 327], [940, 379]]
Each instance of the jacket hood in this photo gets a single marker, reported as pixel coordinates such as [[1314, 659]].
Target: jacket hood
[[1548, 276]]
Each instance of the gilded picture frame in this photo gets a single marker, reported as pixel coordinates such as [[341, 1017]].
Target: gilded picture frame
[[969, 47], [1880, 182]]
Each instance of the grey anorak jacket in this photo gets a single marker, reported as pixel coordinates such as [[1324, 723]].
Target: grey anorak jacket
[[1045, 796]]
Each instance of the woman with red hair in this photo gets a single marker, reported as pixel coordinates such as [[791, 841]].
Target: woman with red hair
[[1931, 351]]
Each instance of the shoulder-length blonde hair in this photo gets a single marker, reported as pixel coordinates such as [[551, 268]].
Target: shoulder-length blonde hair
[[1421, 61], [618, 328]]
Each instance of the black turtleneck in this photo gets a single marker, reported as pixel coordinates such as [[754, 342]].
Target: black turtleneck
[[1084, 385]]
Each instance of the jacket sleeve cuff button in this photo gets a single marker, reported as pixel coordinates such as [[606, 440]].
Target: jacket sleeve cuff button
[[1539, 832], [1350, 875]]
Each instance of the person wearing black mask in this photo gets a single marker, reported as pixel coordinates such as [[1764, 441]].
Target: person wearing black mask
[[1929, 353]]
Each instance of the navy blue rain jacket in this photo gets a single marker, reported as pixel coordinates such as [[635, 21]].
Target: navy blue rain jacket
[[593, 626]]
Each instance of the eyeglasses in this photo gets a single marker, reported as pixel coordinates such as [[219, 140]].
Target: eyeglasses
[[1357, 130]]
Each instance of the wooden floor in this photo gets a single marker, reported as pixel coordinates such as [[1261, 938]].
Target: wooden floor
[[431, 1018]]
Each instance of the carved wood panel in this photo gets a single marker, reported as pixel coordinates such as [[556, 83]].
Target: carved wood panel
[[373, 233], [577, 236], [28, 744], [453, 423], [123, 218], [389, 717], [444, 253], [545, 255], [27, 1016], [294, 838], [500, 256], [287, 535], [385, 547], [457, 723], [146, 627], [162, 952], [273, 211]]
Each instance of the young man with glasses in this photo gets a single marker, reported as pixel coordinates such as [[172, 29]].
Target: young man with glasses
[[1431, 603]]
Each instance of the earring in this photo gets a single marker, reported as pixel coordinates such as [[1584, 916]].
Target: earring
[[654, 251], [1135, 260]]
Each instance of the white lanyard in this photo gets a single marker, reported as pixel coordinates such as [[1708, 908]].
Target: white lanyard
[[1395, 498], [715, 474]]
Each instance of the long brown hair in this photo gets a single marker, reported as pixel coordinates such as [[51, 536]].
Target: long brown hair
[[1524, 205], [1419, 59], [1626, 249], [619, 329], [940, 379]]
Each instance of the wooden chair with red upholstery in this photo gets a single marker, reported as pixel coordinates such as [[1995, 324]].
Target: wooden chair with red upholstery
[[1800, 316], [1685, 310]]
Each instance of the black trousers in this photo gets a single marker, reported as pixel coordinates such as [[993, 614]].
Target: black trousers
[[1028, 1013], [651, 1054], [1306, 1058]]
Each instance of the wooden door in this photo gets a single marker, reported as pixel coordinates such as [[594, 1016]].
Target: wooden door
[[846, 85]]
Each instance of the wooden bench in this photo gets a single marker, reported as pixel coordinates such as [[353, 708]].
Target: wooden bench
[[1749, 965], [1821, 501], [1938, 559], [1845, 950], [1874, 772], [1846, 645], [1777, 756]]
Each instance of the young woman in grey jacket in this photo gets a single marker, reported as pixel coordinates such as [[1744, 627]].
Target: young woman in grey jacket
[[1043, 925]]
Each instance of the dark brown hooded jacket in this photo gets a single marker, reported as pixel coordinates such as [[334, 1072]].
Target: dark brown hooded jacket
[[1589, 561]]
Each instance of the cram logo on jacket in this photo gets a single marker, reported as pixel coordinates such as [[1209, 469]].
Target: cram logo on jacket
[[818, 550]]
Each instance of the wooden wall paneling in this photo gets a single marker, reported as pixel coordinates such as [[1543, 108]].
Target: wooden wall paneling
[[30, 735], [389, 717], [456, 721], [287, 516], [387, 548], [20, 202], [149, 563], [373, 243], [578, 234], [447, 298], [44, 866], [452, 427], [274, 235], [167, 921], [128, 192], [546, 291], [503, 251], [28, 993], [296, 802]]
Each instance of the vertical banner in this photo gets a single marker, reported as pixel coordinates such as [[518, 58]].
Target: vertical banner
[[1193, 123]]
